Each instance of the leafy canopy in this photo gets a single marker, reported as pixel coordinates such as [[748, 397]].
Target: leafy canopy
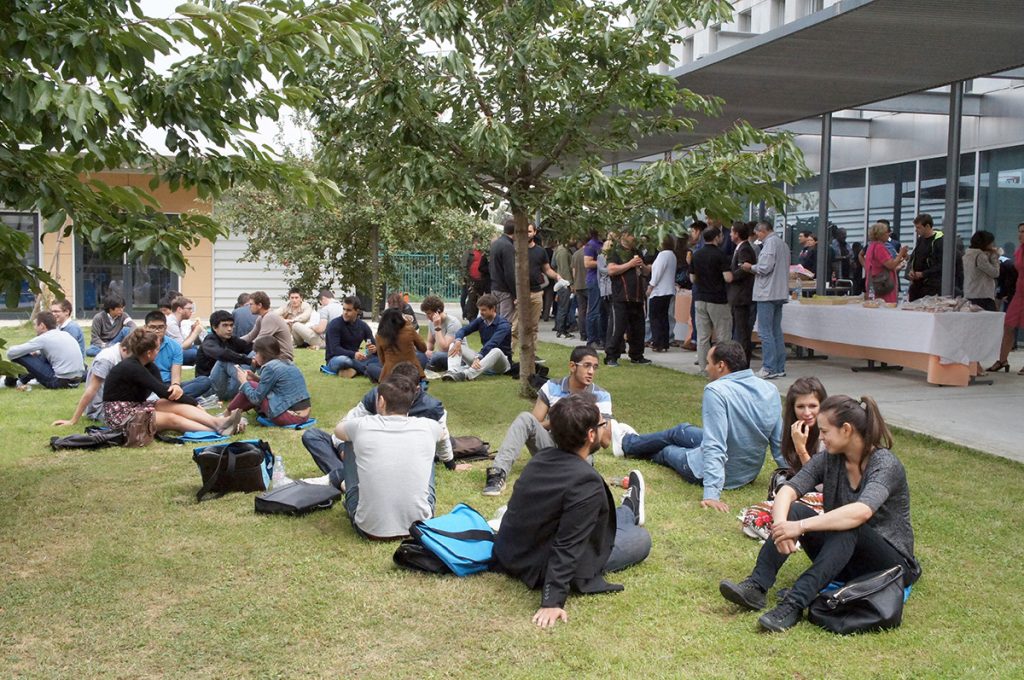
[[81, 83]]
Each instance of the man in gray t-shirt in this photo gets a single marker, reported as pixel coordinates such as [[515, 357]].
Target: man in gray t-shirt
[[440, 333], [390, 484]]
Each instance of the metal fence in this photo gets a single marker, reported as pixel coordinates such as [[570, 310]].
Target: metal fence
[[421, 275]]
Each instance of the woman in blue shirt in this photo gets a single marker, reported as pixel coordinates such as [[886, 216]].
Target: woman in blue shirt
[[277, 390]]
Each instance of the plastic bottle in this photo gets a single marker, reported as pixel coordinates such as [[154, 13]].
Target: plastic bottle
[[279, 478], [622, 483]]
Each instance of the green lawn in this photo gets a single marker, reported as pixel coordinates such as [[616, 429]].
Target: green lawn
[[111, 569]]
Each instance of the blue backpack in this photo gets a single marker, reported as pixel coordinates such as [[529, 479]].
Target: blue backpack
[[460, 542]]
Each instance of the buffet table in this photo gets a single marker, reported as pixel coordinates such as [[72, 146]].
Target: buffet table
[[949, 346]]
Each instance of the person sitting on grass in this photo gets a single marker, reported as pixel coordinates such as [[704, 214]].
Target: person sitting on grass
[[220, 352], [53, 357], [129, 384], [63, 312], [91, 403], [397, 341], [277, 390], [389, 469], [441, 332], [866, 525], [530, 429], [344, 354], [495, 355], [328, 452], [170, 358], [741, 414], [562, 530], [109, 326]]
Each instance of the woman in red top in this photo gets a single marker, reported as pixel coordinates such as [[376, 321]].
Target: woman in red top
[[878, 259], [1015, 312]]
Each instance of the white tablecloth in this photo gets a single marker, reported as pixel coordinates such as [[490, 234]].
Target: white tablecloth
[[955, 337]]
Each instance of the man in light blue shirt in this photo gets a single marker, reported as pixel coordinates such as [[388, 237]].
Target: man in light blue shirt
[[169, 359], [742, 416]]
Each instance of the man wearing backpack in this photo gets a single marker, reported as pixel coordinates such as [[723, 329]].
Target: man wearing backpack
[[562, 529], [530, 429]]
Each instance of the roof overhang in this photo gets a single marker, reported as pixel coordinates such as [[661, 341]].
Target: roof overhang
[[850, 54]]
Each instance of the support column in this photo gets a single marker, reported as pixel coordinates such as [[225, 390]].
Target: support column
[[956, 109], [823, 241]]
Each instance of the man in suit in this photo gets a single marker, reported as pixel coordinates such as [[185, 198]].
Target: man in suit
[[562, 530]]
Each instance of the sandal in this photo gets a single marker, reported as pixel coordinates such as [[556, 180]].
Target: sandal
[[999, 366]]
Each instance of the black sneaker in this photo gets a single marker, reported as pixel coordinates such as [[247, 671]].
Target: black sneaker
[[495, 482], [783, 617], [611, 362], [641, 360], [746, 593], [634, 498]]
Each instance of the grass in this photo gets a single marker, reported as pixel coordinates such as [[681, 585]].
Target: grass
[[110, 568]]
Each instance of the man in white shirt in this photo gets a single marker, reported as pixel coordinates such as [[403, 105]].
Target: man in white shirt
[[53, 357], [312, 334], [178, 320]]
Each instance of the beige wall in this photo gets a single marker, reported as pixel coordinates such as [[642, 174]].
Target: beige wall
[[196, 282]]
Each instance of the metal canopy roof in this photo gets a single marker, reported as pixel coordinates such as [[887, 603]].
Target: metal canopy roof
[[850, 54]]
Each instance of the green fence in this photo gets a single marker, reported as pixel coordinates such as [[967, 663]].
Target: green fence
[[423, 275]]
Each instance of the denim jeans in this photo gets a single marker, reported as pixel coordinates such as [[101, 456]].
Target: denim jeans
[[197, 387], [341, 361], [326, 456], [769, 327], [562, 311], [188, 356], [93, 350], [632, 544], [40, 369], [596, 321], [669, 448], [224, 380]]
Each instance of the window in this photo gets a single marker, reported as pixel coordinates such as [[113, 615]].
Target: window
[[26, 223], [933, 193], [892, 194], [743, 21], [688, 50], [713, 33], [777, 15], [1001, 195]]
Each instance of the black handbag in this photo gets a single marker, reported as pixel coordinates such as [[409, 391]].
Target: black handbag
[[871, 602], [297, 498], [235, 466]]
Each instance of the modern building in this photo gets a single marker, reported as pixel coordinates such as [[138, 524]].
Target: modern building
[[876, 76], [213, 280]]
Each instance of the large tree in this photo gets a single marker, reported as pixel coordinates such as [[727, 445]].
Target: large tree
[[82, 82], [468, 101]]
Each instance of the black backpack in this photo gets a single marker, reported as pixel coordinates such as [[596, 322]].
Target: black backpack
[[470, 448], [235, 466]]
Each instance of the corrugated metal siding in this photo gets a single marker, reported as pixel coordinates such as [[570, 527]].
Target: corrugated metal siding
[[231, 277]]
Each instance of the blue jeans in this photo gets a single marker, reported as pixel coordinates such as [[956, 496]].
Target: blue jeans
[[40, 369], [341, 361], [669, 448], [438, 361], [352, 486], [93, 350], [224, 381], [596, 323], [197, 387], [562, 311], [188, 356], [769, 327], [326, 456], [632, 544]]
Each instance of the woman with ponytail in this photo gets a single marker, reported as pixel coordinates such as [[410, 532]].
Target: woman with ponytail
[[866, 524], [129, 385]]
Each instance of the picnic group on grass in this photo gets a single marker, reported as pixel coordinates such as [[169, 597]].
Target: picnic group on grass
[[840, 493]]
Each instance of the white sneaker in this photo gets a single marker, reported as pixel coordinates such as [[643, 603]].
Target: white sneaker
[[763, 373], [319, 481], [619, 430]]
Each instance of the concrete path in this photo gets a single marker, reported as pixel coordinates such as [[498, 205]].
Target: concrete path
[[984, 417]]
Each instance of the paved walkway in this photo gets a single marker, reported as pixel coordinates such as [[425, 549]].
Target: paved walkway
[[983, 417]]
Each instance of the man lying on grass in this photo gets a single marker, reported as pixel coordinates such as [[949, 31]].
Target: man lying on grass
[[562, 530], [530, 429]]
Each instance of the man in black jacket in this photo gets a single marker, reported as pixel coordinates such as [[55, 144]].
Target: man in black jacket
[[562, 530], [502, 262], [220, 352]]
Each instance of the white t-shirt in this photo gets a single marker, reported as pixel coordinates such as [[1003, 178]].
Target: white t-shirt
[[395, 462], [329, 312], [449, 327], [101, 367]]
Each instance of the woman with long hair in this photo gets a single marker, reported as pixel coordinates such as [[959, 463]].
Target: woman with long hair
[[277, 390], [1015, 312], [981, 269], [397, 341], [128, 385], [866, 525]]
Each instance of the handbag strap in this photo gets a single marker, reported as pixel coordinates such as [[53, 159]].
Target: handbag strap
[[467, 535], [226, 451]]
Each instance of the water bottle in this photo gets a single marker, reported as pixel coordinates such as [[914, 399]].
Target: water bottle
[[278, 478]]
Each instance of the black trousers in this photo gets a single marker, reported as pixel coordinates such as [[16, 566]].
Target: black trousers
[[835, 555], [660, 333], [626, 320], [743, 326], [581, 313]]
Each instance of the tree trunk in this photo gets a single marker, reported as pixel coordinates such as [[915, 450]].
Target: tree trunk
[[527, 328], [376, 301]]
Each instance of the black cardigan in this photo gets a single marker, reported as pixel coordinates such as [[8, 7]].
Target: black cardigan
[[131, 381], [559, 528]]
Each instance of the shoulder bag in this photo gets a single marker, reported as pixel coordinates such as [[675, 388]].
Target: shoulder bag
[[870, 602], [235, 466]]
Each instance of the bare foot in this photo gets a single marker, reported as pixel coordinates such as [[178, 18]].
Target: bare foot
[[230, 423]]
